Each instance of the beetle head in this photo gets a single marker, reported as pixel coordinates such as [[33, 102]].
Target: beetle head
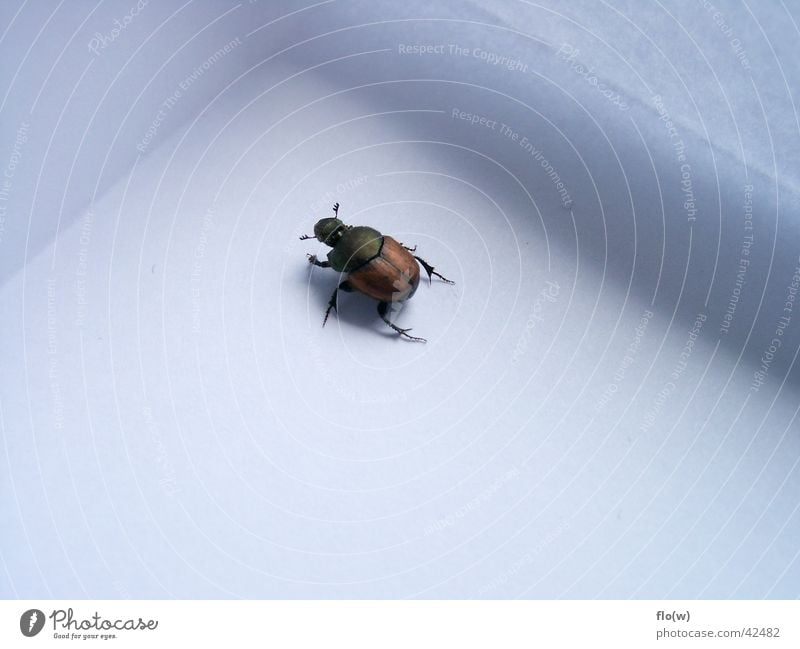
[[329, 231]]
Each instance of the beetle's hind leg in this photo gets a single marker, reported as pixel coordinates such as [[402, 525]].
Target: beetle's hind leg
[[383, 308], [429, 269], [344, 286]]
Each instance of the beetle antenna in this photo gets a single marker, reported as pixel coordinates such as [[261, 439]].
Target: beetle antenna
[[307, 236]]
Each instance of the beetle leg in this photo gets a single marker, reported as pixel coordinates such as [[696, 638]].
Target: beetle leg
[[312, 259], [344, 286], [429, 269], [336, 210], [414, 249], [383, 307]]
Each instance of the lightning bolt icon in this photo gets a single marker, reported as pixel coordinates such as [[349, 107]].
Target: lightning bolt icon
[[32, 621]]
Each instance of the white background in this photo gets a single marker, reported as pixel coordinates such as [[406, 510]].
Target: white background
[[176, 422]]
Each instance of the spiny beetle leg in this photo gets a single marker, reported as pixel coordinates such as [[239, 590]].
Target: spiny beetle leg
[[312, 259], [414, 249], [344, 286], [383, 307], [429, 269], [336, 210]]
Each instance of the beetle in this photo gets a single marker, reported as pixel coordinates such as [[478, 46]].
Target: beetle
[[376, 265]]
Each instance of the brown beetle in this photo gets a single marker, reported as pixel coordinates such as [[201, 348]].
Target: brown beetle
[[376, 265]]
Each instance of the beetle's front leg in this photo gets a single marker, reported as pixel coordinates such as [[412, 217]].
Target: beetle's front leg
[[312, 259], [429, 269]]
